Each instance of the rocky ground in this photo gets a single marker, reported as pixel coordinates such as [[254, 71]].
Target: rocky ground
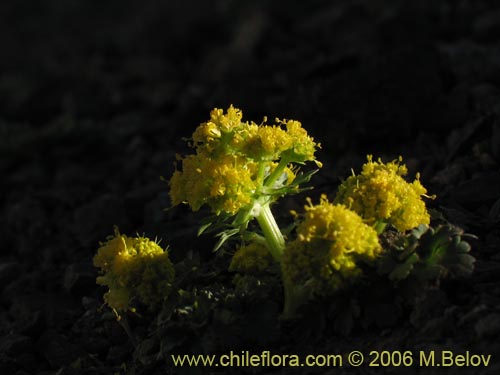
[[95, 98]]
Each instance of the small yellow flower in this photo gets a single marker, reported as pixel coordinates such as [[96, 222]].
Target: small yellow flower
[[331, 241], [207, 132], [267, 142], [226, 122], [304, 147], [253, 258], [380, 193], [135, 269]]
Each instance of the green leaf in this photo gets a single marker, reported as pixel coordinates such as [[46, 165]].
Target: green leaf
[[402, 271], [379, 226], [419, 231], [224, 236], [293, 187], [213, 223], [428, 254], [203, 228]]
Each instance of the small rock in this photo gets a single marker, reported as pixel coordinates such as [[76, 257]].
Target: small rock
[[89, 303], [8, 272], [27, 223], [487, 271], [119, 354], [7, 364], [488, 327], [31, 323], [57, 311], [96, 345], [427, 307], [115, 332], [14, 344], [472, 315], [434, 328], [28, 361], [79, 278], [136, 200], [495, 141], [487, 27], [57, 350], [478, 190]]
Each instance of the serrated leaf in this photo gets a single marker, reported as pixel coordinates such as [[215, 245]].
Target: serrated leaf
[[386, 265], [430, 272], [401, 271], [419, 231], [463, 247], [464, 266]]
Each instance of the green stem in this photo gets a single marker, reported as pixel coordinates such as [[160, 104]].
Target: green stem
[[278, 171], [276, 245], [272, 233], [261, 172]]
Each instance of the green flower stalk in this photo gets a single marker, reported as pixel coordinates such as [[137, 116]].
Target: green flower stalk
[[382, 196], [136, 270], [240, 168]]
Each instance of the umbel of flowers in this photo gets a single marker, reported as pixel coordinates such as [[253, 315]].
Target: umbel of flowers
[[381, 195], [136, 270], [331, 241], [238, 168]]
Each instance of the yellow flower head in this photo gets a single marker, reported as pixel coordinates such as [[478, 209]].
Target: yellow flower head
[[215, 135], [380, 193], [135, 269], [331, 241], [253, 258], [267, 142], [225, 184], [226, 122], [233, 158]]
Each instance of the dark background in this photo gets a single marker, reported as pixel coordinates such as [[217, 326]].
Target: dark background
[[95, 97]]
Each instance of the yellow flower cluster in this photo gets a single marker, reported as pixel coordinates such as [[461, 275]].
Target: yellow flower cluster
[[331, 241], [233, 159], [380, 193], [226, 184], [135, 269], [253, 258]]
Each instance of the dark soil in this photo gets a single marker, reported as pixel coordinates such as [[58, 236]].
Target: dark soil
[[95, 98]]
